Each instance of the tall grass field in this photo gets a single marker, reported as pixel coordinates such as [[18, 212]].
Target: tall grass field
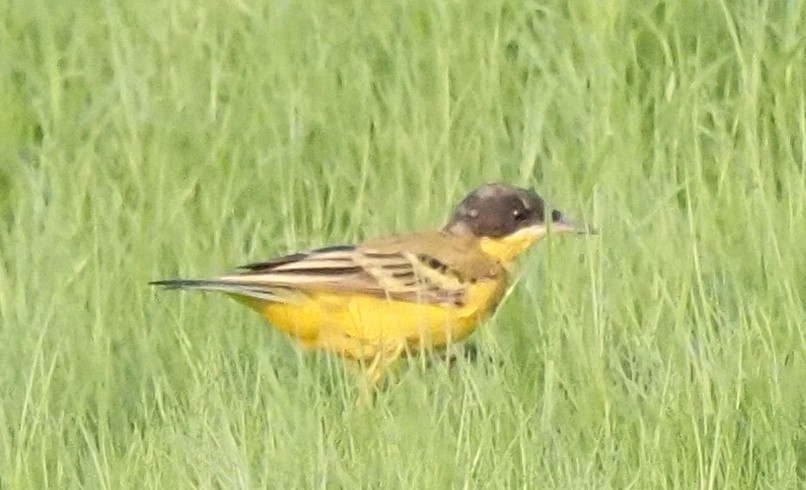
[[152, 140]]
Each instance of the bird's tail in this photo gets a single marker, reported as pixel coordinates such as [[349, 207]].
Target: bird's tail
[[242, 289]]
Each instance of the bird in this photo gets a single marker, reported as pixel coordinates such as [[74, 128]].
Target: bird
[[374, 302]]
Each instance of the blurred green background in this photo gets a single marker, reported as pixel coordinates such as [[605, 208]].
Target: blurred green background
[[141, 141]]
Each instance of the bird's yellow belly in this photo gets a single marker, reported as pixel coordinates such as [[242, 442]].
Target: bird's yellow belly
[[359, 326]]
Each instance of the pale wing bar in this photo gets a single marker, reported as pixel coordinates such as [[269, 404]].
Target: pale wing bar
[[406, 277]]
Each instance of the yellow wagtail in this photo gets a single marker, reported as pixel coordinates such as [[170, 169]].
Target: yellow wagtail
[[375, 301]]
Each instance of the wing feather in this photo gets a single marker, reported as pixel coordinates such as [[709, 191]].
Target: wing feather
[[404, 269]]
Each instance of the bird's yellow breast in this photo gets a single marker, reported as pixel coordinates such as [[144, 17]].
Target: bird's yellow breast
[[359, 326]]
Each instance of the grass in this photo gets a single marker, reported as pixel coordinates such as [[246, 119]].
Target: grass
[[183, 138]]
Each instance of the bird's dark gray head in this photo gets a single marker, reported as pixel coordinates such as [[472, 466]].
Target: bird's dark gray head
[[498, 210]]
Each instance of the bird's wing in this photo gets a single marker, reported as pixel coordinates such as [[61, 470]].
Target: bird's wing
[[429, 268]]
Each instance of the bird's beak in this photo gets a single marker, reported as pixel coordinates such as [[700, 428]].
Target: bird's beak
[[567, 225]]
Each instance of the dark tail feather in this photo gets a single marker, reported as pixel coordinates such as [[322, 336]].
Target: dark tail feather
[[247, 290], [185, 283]]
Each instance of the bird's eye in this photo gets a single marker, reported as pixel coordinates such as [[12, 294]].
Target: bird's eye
[[519, 214]]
